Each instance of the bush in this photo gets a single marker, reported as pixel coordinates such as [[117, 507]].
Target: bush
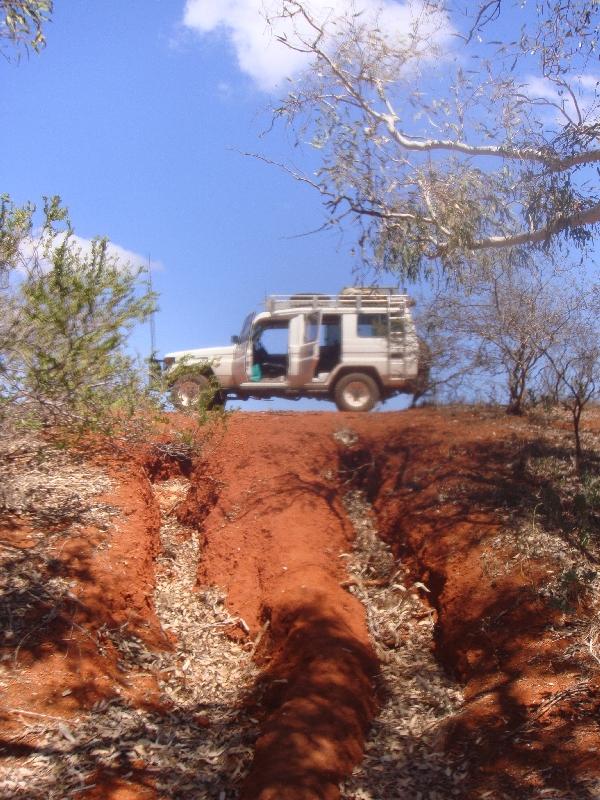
[[67, 315]]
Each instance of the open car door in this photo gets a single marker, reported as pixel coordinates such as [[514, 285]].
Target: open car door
[[242, 354], [305, 330]]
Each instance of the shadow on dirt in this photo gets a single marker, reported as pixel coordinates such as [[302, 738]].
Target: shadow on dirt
[[317, 698], [536, 481], [166, 460], [64, 607], [180, 752], [36, 610], [290, 487], [443, 507], [40, 616]]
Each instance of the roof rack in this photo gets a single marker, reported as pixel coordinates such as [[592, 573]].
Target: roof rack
[[360, 297]]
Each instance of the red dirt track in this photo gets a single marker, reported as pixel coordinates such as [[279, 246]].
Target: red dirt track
[[273, 542], [266, 495]]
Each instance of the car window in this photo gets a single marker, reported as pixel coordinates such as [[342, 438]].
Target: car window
[[331, 333], [311, 328], [246, 328], [274, 340], [372, 325]]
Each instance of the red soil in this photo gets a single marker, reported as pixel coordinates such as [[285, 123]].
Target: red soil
[[443, 482], [273, 542], [266, 495], [61, 670]]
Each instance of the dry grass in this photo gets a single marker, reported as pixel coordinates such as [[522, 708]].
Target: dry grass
[[545, 535], [50, 487], [48, 495]]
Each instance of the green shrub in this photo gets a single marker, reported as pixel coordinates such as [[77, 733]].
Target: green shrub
[[63, 356]]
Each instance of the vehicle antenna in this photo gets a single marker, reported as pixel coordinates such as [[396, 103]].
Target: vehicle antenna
[[152, 319]]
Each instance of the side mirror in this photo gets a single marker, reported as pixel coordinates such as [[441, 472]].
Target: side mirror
[[235, 339]]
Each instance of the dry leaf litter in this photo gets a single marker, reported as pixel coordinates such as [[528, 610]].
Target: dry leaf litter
[[55, 496], [404, 751], [404, 755], [50, 487], [529, 539], [200, 747]]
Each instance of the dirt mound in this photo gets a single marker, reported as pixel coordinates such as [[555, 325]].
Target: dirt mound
[[466, 498], [451, 494], [273, 541], [77, 544]]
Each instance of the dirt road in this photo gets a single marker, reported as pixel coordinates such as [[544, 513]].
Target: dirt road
[[384, 593]]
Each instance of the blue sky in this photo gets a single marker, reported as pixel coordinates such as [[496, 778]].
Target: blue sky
[[135, 124], [134, 119]]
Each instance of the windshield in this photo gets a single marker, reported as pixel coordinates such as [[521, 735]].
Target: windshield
[[246, 328]]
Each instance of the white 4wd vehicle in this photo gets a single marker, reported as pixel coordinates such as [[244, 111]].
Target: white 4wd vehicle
[[356, 348]]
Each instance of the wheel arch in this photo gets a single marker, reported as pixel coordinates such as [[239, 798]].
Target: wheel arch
[[190, 370], [350, 370]]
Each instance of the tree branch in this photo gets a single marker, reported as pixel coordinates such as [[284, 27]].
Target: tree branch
[[589, 217]]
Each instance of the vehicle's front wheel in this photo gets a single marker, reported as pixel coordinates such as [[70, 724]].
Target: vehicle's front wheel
[[192, 391], [356, 392]]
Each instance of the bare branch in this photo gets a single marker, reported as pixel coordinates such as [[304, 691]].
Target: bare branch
[[478, 164], [487, 12], [589, 217]]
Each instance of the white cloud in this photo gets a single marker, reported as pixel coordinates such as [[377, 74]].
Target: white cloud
[[224, 90], [124, 255], [585, 90], [540, 87], [30, 248], [266, 60], [590, 82]]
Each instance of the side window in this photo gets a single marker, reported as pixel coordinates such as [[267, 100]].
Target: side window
[[273, 339], [331, 332], [371, 326], [311, 328], [245, 334]]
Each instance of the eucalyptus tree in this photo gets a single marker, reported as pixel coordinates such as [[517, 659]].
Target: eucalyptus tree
[[446, 136], [22, 23], [454, 360], [518, 310]]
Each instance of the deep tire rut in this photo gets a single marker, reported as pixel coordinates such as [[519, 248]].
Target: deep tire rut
[[349, 646], [206, 677], [404, 752]]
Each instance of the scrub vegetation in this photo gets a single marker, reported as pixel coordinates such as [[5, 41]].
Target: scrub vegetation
[[65, 315]]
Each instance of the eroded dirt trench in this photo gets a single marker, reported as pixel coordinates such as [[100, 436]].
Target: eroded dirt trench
[[336, 624], [314, 606], [404, 619], [236, 630], [274, 530]]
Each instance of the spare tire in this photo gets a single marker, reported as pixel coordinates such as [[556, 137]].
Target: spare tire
[[189, 392]]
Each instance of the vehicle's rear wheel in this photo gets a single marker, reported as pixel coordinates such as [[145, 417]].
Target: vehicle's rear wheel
[[356, 392], [191, 391]]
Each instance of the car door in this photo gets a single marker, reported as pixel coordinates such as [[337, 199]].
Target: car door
[[242, 353], [303, 348]]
